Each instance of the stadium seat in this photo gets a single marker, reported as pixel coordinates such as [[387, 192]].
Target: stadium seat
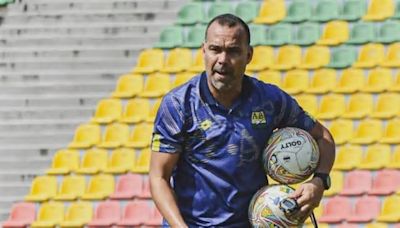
[[21, 215], [115, 135], [107, 111], [331, 106], [86, 136], [271, 12], [64, 162], [149, 61], [357, 182], [337, 183], [397, 15], [50, 214], [295, 81], [78, 214], [388, 32], [142, 164], [107, 214], [352, 10], [247, 10], [156, 85], [298, 11], [325, 10], [178, 60], [377, 225], [379, 10], [379, 80], [128, 85], [306, 34], [182, 78], [341, 130], [217, 8], [367, 132], [346, 225], [136, 110], [390, 210], [376, 157], [43, 188], [315, 57], [392, 58], [366, 209], [271, 77], [263, 57], [191, 13], [135, 214], [153, 111], [279, 34], [395, 87], [93, 162], [391, 133], [170, 37], [322, 81], [308, 102], [370, 55], [198, 62], [140, 136], [288, 57], [351, 80], [146, 193], [128, 186], [120, 161], [362, 33], [155, 218], [385, 183], [99, 188], [359, 106], [195, 36], [72, 187], [384, 107], [395, 160], [258, 35], [348, 157], [342, 57], [336, 210], [334, 33]]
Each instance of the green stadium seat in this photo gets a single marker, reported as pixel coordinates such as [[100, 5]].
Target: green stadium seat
[[195, 36], [258, 34], [342, 57], [397, 11], [353, 10], [361, 33], [389, 32], [217, 8], [191, 13], [279, 34], [298, 11], [5, 2], [306, 34], [326, 10], [247, 10], [170, 37]]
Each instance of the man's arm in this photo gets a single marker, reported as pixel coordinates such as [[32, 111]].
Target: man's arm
[[161, 167]]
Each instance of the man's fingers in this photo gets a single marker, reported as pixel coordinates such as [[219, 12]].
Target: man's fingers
[[296, 194]]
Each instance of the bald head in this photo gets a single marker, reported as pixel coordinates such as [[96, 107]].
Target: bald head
[[230, 21]]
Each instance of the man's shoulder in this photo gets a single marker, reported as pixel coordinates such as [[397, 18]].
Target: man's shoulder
[[265, 89], [183, 92]]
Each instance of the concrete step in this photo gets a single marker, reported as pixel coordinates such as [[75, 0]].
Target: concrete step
[[35, 74], [39, 137], [20, 175], [57, 77], [14, 189], [50, 100], [31, 126], [44, 113], [30, 149]]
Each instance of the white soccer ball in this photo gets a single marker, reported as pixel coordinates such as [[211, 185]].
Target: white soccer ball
[[291, 155]]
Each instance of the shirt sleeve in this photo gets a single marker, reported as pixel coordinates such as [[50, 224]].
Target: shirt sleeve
[[167, 134]]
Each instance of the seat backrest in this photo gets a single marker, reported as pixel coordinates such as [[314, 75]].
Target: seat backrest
[[137, 209], [44, 185], [360, 179], [128, 182], [73, 184], [95, 158], [101, 183], [88, 132], [79, 211], [122, 157], [66, 159], [116, 132], [23, 211], [367, 205], [51, 211], [339, 206], [108, 210]]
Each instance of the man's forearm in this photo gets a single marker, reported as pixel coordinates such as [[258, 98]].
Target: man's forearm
[[326, 146]]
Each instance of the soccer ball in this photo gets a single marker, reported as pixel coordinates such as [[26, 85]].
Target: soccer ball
[[271, 207], [291, 156]]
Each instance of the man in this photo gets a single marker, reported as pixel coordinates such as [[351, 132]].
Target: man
[[205, 139]]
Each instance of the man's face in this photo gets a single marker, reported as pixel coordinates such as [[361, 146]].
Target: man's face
[[226, 54]]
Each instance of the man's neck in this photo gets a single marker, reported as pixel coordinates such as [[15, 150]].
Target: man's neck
[[226, 98]]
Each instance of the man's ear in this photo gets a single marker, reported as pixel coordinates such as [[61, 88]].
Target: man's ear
[[203, 46], [250, 54]]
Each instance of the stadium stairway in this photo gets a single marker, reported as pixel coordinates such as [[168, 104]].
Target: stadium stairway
[[57, 60]]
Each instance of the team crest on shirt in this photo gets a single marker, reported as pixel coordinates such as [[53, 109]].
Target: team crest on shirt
[[258, 119]]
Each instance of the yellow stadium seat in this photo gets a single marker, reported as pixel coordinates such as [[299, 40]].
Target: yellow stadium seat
[[182, 78], [370, 55], [93, 161], [379, 80], [86, 135], [140, 136], [322, 81], [335, 33], [178, 60], [72, 187], [271, 12], [43, 188], [348, 157], [115, 135], [376, 157], [392, 58], [395, 87], [341, 130], [390, 210], [271, 77], [295, 81], [142, 164], [367, 132], [336, 184], [379, 10], [391, 134], [128, 85], [262, 58], [50, 214], [288, 57], [149, 61], [153, 112], [198, 62], [331, 107], [78, 214], [351, 80], [387, 106], [107, 111], [308, 102], [99, 187], [359, 106], [395, 159], [156, 85], [376, 225], [120, 161], [64, 162], [136, 110], [315, 57]]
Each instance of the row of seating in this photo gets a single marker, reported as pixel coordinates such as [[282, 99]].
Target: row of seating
[[5, 2], [82, 214]]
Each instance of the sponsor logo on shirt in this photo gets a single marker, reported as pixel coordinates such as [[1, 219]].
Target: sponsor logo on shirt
[[258, 119]]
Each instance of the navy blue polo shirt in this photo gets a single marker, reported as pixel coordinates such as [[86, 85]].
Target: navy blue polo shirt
[[219, 168]]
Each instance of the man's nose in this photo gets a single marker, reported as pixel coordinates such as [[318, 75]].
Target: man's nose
[[222, 58]]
